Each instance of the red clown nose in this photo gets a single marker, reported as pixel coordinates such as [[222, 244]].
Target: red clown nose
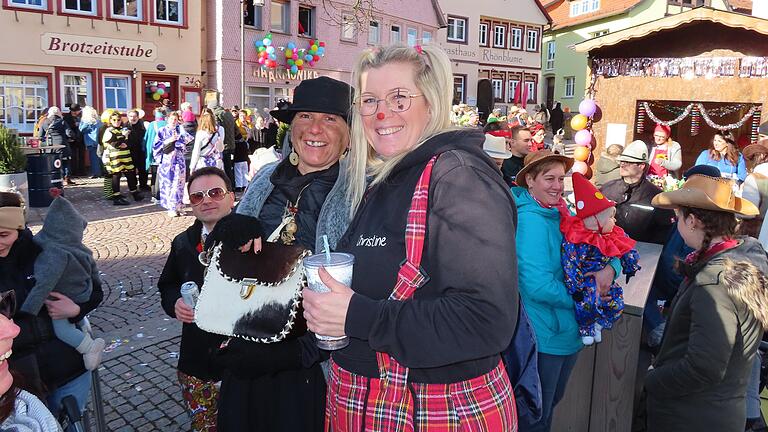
[[380, 116]]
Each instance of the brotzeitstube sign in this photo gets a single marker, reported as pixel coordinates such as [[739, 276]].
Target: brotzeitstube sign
[[84, 46]]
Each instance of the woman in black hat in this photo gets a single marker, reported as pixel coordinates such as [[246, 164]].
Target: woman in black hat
[[280, 386]]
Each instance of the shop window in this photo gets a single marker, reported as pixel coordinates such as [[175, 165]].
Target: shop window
[[532, 40], [282, 94], [252, 15], [516, 38], [157, 90], [85, 7], [76, 88], [348, 31], [117, 92], [306, 21], [530, 87], [31, 4], [258, 98], [413, 35], [193, 97], [394, 34], [426, 37], [483, 39], [22, 100], [127, 9], [512, 89], [550, 55], [280, 16], [169, 11], [498, 89], [457, 29], [499, 36], [459, 86], [580, 7], [570, 83], [373, 33]]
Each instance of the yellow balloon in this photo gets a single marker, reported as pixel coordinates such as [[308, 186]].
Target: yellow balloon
[[156, 96], [579, 122]]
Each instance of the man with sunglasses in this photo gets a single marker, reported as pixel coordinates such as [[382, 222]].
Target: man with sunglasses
[[633, 194], [211, 197]]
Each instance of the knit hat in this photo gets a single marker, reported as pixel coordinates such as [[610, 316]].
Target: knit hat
[[589, 200], [666, 130]]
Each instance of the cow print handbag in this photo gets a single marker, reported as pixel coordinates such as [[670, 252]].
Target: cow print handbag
[[252, 296]]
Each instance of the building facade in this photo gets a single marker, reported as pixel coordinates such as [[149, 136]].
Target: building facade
[[117, 54], [495, 41], [334, 24], [574, 21]]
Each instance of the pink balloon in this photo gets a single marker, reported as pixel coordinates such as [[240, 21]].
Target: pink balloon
[[587, 107], [580, 167], [583, 137]]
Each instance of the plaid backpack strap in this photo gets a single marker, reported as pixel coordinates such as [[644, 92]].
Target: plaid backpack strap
[[393, 406]]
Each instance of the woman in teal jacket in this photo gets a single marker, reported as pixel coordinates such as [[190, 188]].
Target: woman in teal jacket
[[541, 279]]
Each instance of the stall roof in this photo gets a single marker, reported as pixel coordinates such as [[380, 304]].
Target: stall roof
[[701, 14]]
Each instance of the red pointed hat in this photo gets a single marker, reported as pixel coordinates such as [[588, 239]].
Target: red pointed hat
[[589, 200]]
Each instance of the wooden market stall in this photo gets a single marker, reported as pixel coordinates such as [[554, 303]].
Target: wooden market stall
[[698, 71]]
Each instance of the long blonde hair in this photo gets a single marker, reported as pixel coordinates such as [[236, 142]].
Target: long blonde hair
[[90, 116], [207, 122], [434, 80]]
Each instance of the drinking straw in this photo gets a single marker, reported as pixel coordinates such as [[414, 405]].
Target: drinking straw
[[327, 249]]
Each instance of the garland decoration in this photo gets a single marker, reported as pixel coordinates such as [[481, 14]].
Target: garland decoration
[[686, 112], [736, 125], [686, 67], [754, 130], [640, 118]]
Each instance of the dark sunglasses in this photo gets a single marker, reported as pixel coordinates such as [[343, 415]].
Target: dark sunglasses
[[216, 194], [8, 303]]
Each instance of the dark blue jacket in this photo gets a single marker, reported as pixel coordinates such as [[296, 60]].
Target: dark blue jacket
[[521, 360]]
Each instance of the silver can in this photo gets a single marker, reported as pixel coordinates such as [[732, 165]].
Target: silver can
[[190, 292]]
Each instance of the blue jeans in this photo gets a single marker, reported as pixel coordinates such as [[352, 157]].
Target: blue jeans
[[753, 389], [68, 333], [554, 371], [95, 161], [79, 387]]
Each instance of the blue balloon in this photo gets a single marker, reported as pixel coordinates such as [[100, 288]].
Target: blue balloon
[[321, 51], [267, 42], [272, 56], [270, 49], [291, 45], [308, 57], [259, 43], [294, 69]]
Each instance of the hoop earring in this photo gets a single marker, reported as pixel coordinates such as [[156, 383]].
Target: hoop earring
[[293, 158]]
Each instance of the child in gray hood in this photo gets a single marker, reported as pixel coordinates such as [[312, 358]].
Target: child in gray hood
[[66, 266]]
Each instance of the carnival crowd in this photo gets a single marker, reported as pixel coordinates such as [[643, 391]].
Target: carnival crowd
[[477, 279]]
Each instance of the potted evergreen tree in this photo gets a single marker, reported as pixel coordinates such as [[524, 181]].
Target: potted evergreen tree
[[13, 163]]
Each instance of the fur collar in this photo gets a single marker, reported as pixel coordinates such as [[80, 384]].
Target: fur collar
[[748, 285]]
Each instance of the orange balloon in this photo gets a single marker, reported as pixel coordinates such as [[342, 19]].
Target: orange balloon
[[579, 122], [581, 153]]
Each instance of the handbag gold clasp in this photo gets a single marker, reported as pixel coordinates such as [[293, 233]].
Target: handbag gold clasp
[[246, 288]]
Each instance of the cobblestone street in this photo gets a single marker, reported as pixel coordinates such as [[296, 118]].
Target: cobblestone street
[[138, 374]]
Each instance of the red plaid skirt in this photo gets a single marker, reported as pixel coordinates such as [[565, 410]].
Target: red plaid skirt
[[485, 403]]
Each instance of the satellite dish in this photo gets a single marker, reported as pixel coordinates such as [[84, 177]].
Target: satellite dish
[[161, 67]]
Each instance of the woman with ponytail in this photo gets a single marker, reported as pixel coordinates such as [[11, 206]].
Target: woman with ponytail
[[699, 379]]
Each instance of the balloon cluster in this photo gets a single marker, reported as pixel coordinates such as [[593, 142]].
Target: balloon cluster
[[296, 59], [159, 91], [589, 113]]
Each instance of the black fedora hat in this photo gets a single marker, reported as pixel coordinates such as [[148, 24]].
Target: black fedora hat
[[321, 95]]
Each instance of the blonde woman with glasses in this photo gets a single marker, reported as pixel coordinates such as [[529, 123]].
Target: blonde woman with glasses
[[432, 307]]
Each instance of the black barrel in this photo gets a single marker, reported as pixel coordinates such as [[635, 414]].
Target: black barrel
[[43, 173]]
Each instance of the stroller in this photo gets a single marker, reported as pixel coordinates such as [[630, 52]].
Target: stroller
[[92, 420]]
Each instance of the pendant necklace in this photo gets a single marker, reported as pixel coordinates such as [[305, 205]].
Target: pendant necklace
[[289, 225]]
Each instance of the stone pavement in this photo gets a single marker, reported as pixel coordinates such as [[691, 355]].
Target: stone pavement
[[138, 374]]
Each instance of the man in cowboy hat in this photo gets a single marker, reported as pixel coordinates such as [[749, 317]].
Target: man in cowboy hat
[[633, 194]]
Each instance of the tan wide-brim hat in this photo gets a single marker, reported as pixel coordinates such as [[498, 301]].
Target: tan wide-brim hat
[[538, 158], [707, 193], [753, 149]]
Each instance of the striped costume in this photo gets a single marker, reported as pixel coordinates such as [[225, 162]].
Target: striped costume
[[118, 155], [391, 402]]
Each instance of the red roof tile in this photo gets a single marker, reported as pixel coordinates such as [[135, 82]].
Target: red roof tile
[[560, 11]]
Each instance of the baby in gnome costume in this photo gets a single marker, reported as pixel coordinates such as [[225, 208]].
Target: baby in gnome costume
[[590, 240], [65, 265]]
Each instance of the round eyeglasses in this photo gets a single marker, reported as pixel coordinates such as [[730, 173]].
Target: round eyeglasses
[[397, 101]]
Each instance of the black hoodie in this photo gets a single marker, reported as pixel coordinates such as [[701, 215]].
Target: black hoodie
[[455, 325]]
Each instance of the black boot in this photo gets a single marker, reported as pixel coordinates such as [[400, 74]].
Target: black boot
[[119, 200], [137, 196]]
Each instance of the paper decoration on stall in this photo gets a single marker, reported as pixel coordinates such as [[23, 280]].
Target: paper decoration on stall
[[695, 120], [687, 67], [754, 130], [640, 128], [697, 112]]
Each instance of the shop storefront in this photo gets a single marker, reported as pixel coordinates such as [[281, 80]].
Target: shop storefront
[[107, 57]]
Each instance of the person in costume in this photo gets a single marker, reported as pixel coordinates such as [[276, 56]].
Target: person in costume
[[117, 153], [666, 156], [590, 240], [168, 149], [537, 137]]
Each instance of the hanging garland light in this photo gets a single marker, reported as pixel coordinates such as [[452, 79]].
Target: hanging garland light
[[686, 112], [754, 130], [640, 119], [731, 126]]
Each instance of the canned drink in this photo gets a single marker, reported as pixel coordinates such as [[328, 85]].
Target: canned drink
[[190, 292]]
